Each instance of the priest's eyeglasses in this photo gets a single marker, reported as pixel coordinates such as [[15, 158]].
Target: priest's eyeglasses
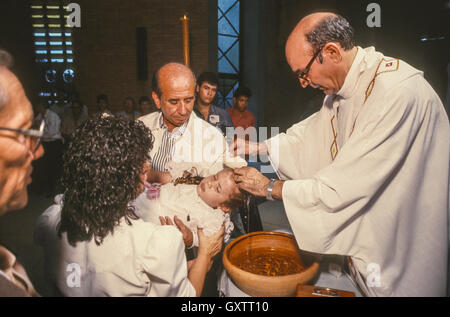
[[34, 134], [304, 73]]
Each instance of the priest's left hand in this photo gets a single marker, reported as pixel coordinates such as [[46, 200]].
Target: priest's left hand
[[251, 180]]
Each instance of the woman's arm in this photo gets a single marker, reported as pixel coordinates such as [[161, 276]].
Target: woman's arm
[[208, 248], [154, 176]]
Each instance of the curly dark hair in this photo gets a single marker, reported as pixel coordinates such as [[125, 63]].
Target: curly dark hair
[[103, 165]]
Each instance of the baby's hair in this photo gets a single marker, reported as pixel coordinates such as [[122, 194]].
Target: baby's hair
[[235, 201], [188, 179], [238, 200]]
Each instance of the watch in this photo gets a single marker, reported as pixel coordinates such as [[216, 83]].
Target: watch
[[269, 189]]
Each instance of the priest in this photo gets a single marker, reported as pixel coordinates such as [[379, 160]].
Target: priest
[[367, 176]]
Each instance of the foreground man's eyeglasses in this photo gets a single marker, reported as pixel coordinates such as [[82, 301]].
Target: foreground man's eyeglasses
[[34, 134]]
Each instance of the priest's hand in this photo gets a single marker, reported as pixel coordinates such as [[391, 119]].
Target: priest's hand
[[188, 236], [245, 147], [251, 180]]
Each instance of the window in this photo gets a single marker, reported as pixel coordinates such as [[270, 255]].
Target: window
[[228, 51], [53, 47]]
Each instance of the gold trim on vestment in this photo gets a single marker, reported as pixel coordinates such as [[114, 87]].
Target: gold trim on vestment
[[334, 147], [372, 83]]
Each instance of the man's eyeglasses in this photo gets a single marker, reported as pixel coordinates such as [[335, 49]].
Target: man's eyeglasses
[[304, 73], [34, 134]]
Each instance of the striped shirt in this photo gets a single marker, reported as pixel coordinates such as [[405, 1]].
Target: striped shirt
[[167, 147]]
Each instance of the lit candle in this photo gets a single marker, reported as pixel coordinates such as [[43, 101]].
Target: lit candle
[[185, 23]]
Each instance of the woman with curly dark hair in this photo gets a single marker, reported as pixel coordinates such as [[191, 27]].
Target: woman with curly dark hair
[[94, 243]]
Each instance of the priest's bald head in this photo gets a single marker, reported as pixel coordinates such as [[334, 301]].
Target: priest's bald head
[[320, 50], [174, 93]]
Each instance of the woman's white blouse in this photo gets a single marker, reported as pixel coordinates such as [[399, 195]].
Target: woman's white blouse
[[138, 260]]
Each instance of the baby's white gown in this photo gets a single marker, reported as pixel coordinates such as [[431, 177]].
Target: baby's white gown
[[183, 201]]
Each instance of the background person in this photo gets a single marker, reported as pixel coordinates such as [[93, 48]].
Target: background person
[[102, 105], [206, 90], [145, 106], [129, 109], [50, 167], [61, 105], [74, 118]]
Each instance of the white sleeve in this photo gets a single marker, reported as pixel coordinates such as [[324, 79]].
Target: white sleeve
[[46, 222], [298, 152], [165, 264], [54, 124]]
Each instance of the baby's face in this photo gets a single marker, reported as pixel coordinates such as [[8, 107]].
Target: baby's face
[[216, 189]]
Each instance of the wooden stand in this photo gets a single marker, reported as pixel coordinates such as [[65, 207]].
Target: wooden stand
[[317, 291]]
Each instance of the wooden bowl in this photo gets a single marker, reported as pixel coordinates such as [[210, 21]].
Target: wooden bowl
[[275, 253]]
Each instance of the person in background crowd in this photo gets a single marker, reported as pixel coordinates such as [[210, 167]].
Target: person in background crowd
[[102, 105], [61, 104], [19, 147], [75, 96], [129, 109], [239, 114], [52, 141], [206, 90], [73, 119], [145, 106]]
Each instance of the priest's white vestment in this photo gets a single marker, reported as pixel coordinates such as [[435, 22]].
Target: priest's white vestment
[[367, 177]]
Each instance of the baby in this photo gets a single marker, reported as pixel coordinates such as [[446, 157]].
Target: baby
[[203, 202]]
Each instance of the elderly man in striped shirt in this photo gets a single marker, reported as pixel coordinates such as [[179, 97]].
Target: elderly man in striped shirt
[[181, 137]]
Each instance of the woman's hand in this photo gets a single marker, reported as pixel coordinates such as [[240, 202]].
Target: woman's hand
[[188, 236], [210, 246], [154, 176], [207, 249]]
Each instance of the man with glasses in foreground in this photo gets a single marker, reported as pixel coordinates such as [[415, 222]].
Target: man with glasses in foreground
[[367, 176], [19, 146]]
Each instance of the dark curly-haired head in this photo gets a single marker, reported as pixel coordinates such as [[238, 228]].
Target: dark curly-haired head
[[103, 167]]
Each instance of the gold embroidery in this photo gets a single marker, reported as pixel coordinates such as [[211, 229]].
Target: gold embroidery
[[334, 147], [372, 84]]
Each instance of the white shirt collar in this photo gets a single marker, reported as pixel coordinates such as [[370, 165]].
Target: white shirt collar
[[178, 131], [353, 75]]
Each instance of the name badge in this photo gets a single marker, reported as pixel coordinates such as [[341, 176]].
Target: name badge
[[214, 118]]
